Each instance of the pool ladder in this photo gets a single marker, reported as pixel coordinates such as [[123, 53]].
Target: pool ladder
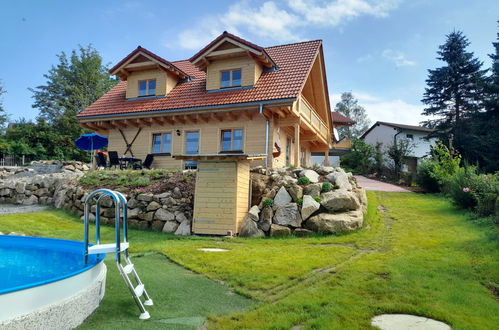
[[120, 248]]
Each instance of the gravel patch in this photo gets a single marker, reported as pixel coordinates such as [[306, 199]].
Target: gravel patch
[[11, 208]]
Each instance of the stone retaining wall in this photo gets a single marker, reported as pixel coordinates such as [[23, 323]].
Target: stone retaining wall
[[302, 201]]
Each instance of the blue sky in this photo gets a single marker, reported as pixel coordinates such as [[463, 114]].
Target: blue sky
[[379, 50]]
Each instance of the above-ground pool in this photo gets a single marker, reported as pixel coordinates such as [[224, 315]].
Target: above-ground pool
[[44, 283]]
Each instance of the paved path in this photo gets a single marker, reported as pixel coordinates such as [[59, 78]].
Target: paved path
[[11, 208], [370, 184]]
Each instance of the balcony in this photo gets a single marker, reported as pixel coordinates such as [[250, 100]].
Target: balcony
[[312, 119]]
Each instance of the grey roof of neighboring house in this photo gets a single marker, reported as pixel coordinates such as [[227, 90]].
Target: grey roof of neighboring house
[[399, 126]]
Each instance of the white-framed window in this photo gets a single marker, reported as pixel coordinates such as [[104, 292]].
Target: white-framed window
[[231, 140], [410, 136], [230, 78], [162, 143], [147, 87]]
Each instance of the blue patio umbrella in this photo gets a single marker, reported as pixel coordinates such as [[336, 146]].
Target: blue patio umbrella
[[91, 141]]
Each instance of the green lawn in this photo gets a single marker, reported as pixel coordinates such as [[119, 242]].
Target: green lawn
[[417, 254]]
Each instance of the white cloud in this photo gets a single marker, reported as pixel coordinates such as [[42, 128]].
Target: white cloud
[[379, 109], [267, 21], [397, 57], [335, 12], [281, 22]]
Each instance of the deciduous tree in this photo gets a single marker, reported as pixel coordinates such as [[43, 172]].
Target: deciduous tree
[[349, 107]]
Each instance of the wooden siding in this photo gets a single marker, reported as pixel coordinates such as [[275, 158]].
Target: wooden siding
[[134, 78], [215, 199], [221, 199], [243, 195], [209, 139], [247, 65]]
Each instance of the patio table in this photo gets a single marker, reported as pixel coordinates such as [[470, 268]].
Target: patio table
[[129, 161]]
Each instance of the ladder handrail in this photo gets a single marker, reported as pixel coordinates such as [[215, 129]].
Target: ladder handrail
[[119, 203]]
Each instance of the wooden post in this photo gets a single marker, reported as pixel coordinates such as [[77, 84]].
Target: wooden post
[[326, 158], [297, 145]]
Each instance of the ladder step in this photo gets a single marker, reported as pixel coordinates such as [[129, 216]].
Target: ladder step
[[106, 248], [139, 290], [128, 268]]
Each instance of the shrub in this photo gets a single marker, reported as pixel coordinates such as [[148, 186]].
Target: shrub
[[299, 201], [425, 178], [326, 186], [461, 187], [478, 192], [303, 180], [434, 174], [317, 199], [361, 159], [268, 202]]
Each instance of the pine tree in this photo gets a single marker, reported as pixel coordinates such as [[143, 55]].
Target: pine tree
[[455, 91], [483, 141], [349, 107]]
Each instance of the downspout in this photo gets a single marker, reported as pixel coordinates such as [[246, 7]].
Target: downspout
[[266, 136]]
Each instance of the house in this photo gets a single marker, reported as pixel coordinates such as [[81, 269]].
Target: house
[[231, 97], [390, 133], [340, 146]]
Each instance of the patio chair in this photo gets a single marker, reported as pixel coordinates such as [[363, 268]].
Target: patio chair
[[114, 160], [100, 160], [146, 164]]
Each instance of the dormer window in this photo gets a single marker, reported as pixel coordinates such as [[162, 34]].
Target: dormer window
[[147, 87], [231, 78]]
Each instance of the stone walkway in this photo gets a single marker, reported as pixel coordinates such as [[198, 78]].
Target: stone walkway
[[11, 208], [370, 184]]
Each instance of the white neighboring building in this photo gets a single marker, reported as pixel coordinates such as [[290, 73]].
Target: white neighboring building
[[388, 133]]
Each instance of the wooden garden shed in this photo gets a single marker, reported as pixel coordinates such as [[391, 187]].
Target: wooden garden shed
[[222, 195]]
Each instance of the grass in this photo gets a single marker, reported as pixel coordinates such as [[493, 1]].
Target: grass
[[417, 254]]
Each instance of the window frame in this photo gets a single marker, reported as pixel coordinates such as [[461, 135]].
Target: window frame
[[232, 132], [147, 81], [161, 144], [231, 78], [192, 165]]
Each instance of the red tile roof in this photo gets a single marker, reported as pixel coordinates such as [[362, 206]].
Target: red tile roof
[[339, 119], [294, 62], [145, 51]]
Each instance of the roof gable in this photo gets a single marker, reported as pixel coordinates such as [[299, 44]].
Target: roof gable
[[226, 45], [142, 59], [401, 127]]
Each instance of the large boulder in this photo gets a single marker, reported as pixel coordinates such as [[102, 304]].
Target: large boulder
[[266, 219], [339, 179], [153, 206], [184, 229], [278, 230], [31, 200], [170, 226], [328, 223], [295, 191], [313, 190], [311, 175], [308, 207], [282, 197], [324, 170], [361, 195], [253, 213], [164, 215], [340, 200], [250, 229], [288, 215]]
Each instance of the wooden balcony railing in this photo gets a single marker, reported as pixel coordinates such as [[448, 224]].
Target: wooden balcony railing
[[311, 117], [343, 144]]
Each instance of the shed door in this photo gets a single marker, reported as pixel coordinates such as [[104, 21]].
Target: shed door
[[215, 198]]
